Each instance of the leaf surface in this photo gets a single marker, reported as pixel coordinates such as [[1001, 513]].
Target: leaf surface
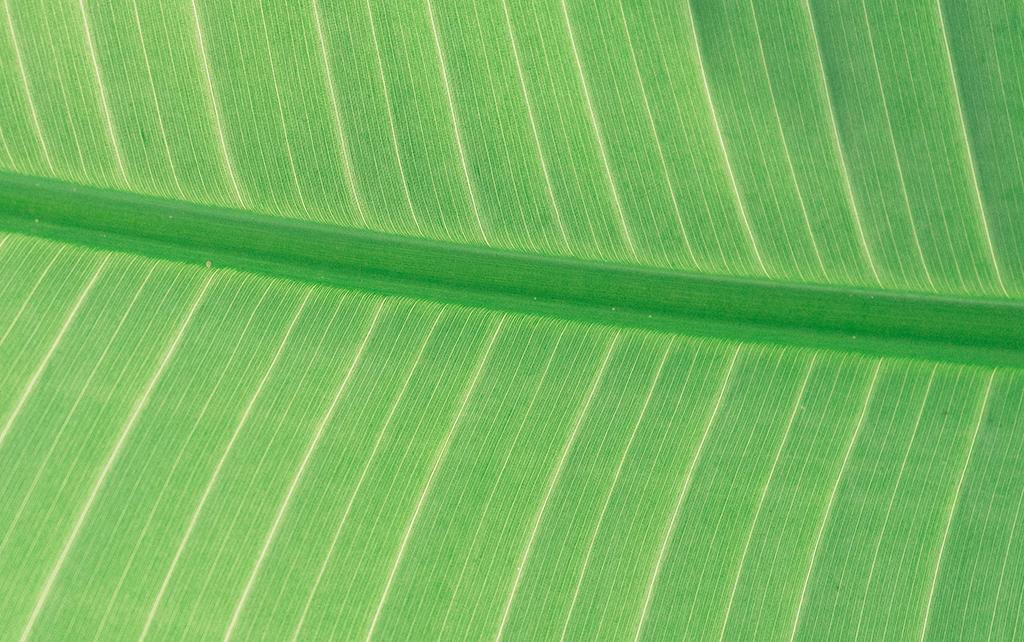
[[513, 320]]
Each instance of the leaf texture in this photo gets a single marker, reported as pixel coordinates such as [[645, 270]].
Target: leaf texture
[[218, 418], [871, 144]]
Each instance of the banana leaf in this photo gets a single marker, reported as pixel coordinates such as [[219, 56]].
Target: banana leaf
[[425, 319]]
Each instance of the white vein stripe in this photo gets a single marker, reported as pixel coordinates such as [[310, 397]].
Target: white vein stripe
[[391, 117], [7, 148], [954, 504], [43, 466], [122, 438], [182, 449], [23, 73], [595, 125], [556, 474], [31, 293], [533, 125], [463, 162], [108, 117], [658, 148], [764, 494], [971, 164], [339, 127], [840, 154], [892, 501], [611, 490], [280, 112], [215, 105], [297, 477], [34, 379], [895, 149], [681, 499], [156, 102], [1006, 558], [741, 208], [362, 475], [832, 499], [439, 458], [785, 144], [484, 512], [220, 463]]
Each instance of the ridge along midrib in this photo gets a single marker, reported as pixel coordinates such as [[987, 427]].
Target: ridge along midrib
[[973, 330]]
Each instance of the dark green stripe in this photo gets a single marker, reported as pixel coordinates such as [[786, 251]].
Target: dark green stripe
[[956, 329]]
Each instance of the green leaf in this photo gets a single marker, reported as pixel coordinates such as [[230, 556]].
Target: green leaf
[[511, 320]]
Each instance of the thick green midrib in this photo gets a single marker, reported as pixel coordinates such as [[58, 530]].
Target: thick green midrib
[[914, 325]]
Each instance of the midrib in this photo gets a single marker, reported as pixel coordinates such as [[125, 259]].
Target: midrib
[[972, 330]]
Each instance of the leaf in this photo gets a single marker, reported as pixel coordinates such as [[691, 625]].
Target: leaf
[[511, 320]]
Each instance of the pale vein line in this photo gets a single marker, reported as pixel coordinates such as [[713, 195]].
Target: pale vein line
[[840, 154], [282, 409], [1006, 557], [391, 118], [156, 101], [339, 127], [1002, 567], [126, 430], [505, 153], [300, 471], [832, 499], [683, 493], [484, 512], [971, 164], [7, 148], [70, 127], [892, 502], [896, 393], [28, 91], [895, 150], [214, 104], [439, 459], [1006, 100], [533, 126], [907, 542], [697, 362], [556, 474], [155, 506], [785, 143], [954, 504], [455, 123], [1016, 618], [654, 132], [764, 495], [31, 293], [42, 468], [741, 208], [611, 490], [827, 402], [598, 136], [108, 117], [965, 614], [280, 112], [217, 468], [34, 379], [766, 382], [362, 475]]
